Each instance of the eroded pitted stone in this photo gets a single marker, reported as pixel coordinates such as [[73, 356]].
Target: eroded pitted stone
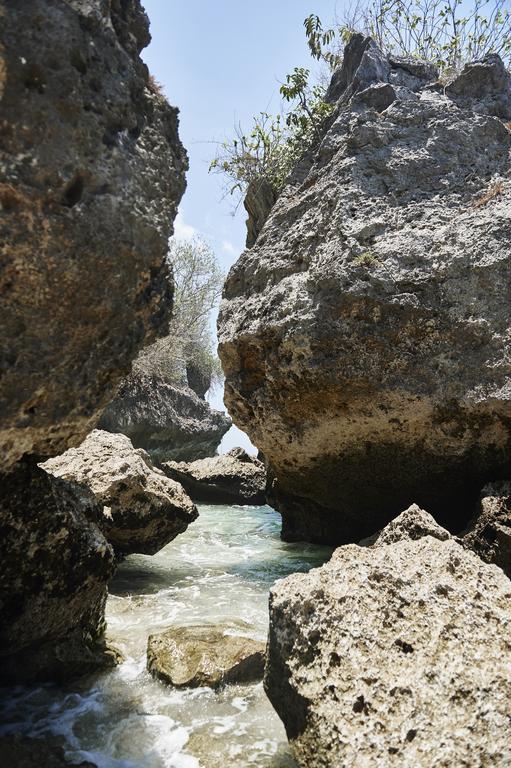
[[394, 655], [143, 510], [489, 532], [365, 336], [91, 173]]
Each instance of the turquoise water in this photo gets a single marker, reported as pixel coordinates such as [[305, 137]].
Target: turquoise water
[[218, 571]]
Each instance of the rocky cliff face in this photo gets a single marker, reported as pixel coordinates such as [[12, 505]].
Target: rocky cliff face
[[376, 659], [91, 172], [172, 423], [365, 336]]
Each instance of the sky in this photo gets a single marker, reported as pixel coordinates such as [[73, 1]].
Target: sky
[[221, 62]]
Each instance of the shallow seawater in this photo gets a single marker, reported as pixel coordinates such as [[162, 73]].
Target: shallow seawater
[[218, 571]]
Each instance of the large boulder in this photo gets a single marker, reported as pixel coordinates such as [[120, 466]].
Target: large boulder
[[172, 423], [204, 656], [396, 654], [234, 477], [91, 173], [365, 336], [489, 531], [143, 510], [55, 567]]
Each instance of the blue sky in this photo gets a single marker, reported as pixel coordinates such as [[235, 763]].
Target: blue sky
[[221, 62]]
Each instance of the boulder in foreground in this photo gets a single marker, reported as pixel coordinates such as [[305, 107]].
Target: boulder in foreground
[[143, 510], [394, 655], [234, 477], [204, 656]]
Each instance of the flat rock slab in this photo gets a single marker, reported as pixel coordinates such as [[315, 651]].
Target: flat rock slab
[[204, 656], [394, 655], [234, 477]]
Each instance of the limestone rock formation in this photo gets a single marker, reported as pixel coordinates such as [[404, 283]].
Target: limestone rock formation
[[394, 655], [365, 336], [489, 532], [55, 566], [171, 422], [413, 523], [234, 477], [197, 656], [91, 172], [143, 510]]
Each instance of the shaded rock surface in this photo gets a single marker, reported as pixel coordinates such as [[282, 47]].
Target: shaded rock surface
[[489, 532], [365, 336], [143, 510], [170, 422], [395, 654], [204, 656], [258, 203], [55, 568], [23, 752], [234, 477], [91, 172]]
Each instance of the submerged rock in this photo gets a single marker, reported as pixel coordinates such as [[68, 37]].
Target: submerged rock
[[91, 173], [234, 477], [55, 567], [204, 656], [170, 422], [365, 336], [489, 532], [396, 654], [143, 510]]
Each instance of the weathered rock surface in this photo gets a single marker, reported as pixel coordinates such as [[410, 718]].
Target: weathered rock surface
[[489, 532], [91, 172], [258, 203], [143, 510], [365, 336], [414, 523], [55, 567], [234, 477], [394, 655], [170, 422], [204, 656]]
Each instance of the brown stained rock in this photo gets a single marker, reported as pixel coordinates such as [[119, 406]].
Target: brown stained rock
[[143, 510], [365, 336], [55, 567], [489, 532], [393, 655], [231, 478], [91, 173], [204, 656]]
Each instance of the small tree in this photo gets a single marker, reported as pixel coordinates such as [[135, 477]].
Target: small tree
[[198, 281]]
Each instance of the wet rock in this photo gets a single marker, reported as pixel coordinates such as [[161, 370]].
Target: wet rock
[[170, 422], [204, 656], [364, 337], [393, 655], [91, 173], [55, 567], [143, 510], [18, 751], [234, 477], [489, 532]]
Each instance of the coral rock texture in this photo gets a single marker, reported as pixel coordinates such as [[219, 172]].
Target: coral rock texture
[[143, 510], [91, 172], [394, 655], [365, 336], [489, 532]]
